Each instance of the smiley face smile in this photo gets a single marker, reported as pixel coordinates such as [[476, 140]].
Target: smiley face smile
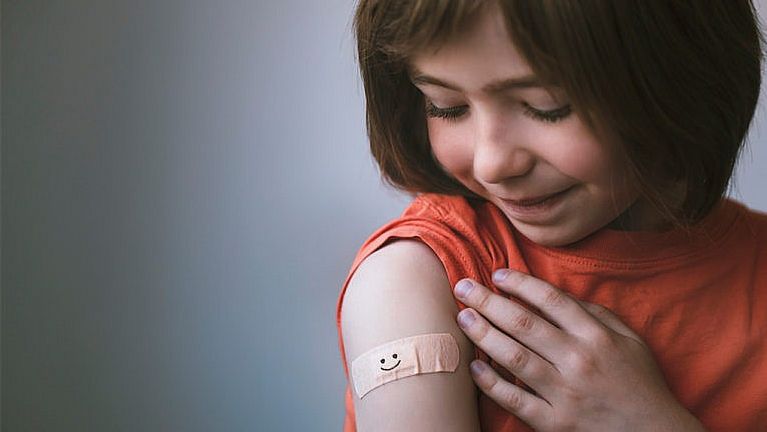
[[394, 356], [398, 362]]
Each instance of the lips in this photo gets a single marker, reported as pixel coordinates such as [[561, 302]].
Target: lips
[[536, 210], [532, 201]]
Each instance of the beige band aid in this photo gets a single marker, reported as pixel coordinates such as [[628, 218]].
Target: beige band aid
[[415, 355]]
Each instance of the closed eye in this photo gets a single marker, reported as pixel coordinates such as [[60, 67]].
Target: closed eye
[[453, 113]]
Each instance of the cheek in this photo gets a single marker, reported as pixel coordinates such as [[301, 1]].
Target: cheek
[[450, 146], [574, 152], [578, 154], [598, 167], [585, 161]]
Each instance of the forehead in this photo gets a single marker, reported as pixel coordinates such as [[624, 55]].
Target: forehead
[[481, 57], [517, 82]]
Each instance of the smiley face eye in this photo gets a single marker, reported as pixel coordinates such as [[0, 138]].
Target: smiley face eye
[[394, 356]]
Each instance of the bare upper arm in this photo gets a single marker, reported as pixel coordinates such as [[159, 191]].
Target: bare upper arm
[[402, 290]]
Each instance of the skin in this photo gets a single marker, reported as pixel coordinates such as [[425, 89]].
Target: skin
[[498, 150], [581, 369], [580, 366]]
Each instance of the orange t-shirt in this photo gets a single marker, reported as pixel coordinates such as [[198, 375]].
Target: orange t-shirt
[[699, 302]]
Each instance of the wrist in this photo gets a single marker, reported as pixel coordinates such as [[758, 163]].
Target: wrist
[[682, 420], [691, 424], [674, 417]]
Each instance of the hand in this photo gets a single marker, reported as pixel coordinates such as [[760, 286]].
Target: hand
[[589, 370]]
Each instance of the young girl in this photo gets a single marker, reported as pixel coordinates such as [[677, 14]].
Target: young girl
[[582, 149]]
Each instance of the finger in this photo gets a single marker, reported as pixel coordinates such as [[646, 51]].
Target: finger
[[529, 408], [536, 372], [554, 304], [609, 319], [515, 320]]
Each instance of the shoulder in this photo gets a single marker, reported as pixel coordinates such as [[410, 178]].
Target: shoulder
[[406, 274], [444, 206], [751, 221], [399, 291], [756, 218]]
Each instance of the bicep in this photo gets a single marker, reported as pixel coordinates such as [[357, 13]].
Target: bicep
[[399, 291]]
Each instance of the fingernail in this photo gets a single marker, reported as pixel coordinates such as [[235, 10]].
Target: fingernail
[[465, 318], [463, 288], [477, 367], [500, 274]]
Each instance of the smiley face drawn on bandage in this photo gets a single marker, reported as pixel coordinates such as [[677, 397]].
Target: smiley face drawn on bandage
[[383, 361], [402, 358]]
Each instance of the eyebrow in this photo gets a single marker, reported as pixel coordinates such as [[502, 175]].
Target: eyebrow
[[526, 81]]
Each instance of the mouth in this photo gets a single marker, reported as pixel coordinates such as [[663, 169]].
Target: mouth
[[535, 206], [398, 362], [534, 200]]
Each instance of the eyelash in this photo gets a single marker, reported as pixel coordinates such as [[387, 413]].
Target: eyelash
[[452, 113]]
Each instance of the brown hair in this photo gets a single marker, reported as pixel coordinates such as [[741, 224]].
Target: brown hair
[[675, 83]]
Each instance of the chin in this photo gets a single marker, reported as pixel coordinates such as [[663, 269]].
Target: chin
[[550, 236]]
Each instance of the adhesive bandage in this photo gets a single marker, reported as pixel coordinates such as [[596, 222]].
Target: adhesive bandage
[[415, 355]]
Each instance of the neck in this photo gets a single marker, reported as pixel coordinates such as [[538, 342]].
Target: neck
[[642, 216]]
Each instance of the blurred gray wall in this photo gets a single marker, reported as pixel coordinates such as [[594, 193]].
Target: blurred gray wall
[[184, 186]]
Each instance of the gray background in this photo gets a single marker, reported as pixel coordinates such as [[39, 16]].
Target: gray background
[[184, 186]]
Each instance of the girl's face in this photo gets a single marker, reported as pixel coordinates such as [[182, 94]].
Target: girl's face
[[514, 142]]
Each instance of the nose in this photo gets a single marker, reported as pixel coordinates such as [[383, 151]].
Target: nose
[[499, 152]]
